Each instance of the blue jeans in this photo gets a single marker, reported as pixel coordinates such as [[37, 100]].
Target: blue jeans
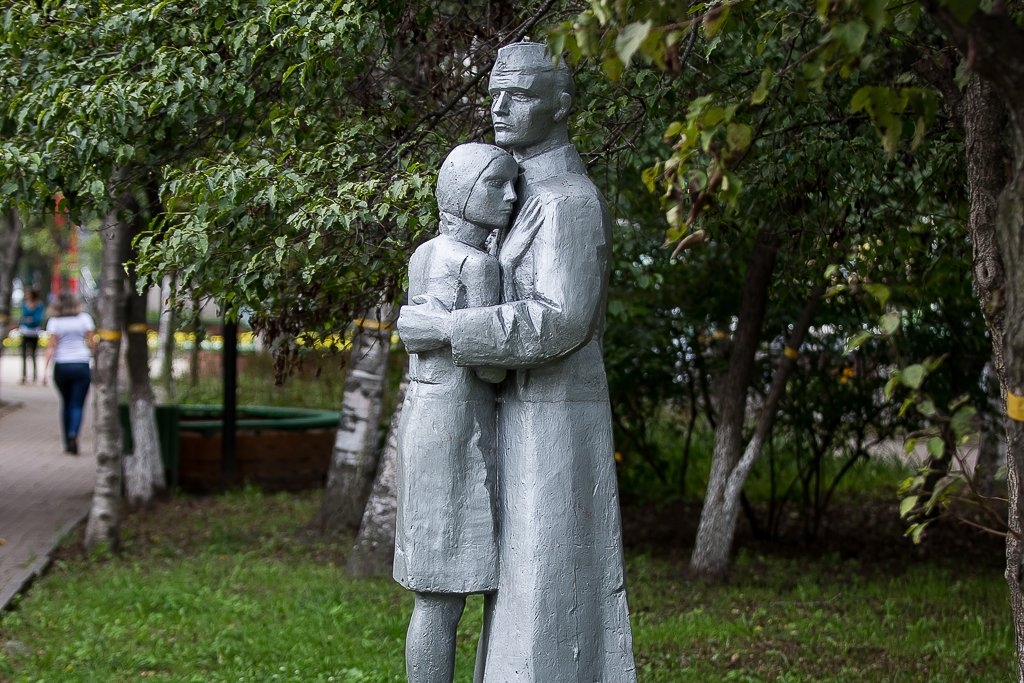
[[72, 380]]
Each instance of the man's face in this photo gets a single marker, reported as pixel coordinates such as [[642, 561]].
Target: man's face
[[523, 108]]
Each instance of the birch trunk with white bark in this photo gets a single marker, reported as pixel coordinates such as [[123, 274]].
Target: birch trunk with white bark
[[356, 452], [103, 527], [10, 251], [143, 468], [374, 549]]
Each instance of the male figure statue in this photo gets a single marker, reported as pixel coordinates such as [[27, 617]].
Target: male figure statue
[[560, 612]]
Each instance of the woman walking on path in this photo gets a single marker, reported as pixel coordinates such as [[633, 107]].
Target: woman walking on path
[[69, 347], [32, 312]]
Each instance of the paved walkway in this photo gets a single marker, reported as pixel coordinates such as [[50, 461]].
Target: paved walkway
[[43, 492]]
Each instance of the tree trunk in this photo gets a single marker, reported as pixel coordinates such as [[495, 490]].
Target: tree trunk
[[143, 469], [373, 552], [1010, 227], [165, 336], [10, 251], [991, 45], [356, 451], [711, 552], [104, 516]]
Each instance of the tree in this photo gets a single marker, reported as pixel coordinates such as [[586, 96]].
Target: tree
[[987, 35], [374, 547], [760, 140], [294, 143], [143, 468], [103, 526], [990, 42], [10, 249], [356, 448]]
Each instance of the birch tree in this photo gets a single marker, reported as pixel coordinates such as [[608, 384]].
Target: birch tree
[[356, 448], [10, 248], [143, 468], [374, 549], [103, 526]]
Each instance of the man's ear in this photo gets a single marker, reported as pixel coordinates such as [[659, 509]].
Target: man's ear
[[564, 106]]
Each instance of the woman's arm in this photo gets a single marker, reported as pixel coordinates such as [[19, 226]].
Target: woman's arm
[[51, 348]]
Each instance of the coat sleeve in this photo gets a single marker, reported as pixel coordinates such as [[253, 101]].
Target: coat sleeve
[[570, 254]]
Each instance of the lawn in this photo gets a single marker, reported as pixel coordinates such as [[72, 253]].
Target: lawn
[[232, 588]]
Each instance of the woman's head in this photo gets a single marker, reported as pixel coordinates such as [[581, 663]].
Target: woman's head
[[67, 304], [477, 183], [32, 295]]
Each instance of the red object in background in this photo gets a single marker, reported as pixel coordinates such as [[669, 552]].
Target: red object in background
[[68, 264]]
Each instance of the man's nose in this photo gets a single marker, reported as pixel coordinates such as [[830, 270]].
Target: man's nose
[[510, 193], [500, 104]]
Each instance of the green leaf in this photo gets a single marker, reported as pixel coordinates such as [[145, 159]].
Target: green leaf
[[649, 176], [612, 68], [760, 93], [936, 447], [890, 386], [912, 376], [905, 407], [962, 423], [857, 341], [861, 98], [881, 293], [851, 35], [890, 322], [907, 505], [674, 129], [714, 19], [629, 39], [738, 135], [926, 408]]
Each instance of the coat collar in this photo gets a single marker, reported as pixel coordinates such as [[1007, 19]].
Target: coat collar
[[555, 162]]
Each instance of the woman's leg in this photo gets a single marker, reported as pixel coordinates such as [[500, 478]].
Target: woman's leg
[[79, 389], [33, 348], [63, 380], [24, 359], [430, 642]]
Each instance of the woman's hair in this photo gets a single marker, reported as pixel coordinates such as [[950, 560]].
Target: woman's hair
[[67, 304], [461, 169]]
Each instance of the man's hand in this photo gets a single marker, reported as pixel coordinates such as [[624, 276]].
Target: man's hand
[[424, 325]]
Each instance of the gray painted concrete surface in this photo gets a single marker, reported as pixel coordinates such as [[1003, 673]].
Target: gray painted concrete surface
[[43, 492]]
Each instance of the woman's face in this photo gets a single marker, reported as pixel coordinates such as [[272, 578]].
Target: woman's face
[[493, 196]]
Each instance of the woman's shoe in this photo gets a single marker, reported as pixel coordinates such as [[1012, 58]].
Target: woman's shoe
[[72, 447]]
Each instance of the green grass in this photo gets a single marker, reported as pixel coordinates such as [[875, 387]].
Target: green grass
[[232, 589]]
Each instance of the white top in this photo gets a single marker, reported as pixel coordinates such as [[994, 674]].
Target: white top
[[71, 331]]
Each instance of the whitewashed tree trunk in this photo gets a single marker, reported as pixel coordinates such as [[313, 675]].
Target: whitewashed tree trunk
[[718, 517], [143, 469], [356, 451], [103, 527], [374, 549], [164, 360], [10, 251]]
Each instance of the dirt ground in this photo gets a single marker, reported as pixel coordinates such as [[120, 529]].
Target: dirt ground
[[867, 530]]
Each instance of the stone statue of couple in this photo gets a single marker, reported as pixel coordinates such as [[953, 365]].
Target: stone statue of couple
[[506, 474]]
